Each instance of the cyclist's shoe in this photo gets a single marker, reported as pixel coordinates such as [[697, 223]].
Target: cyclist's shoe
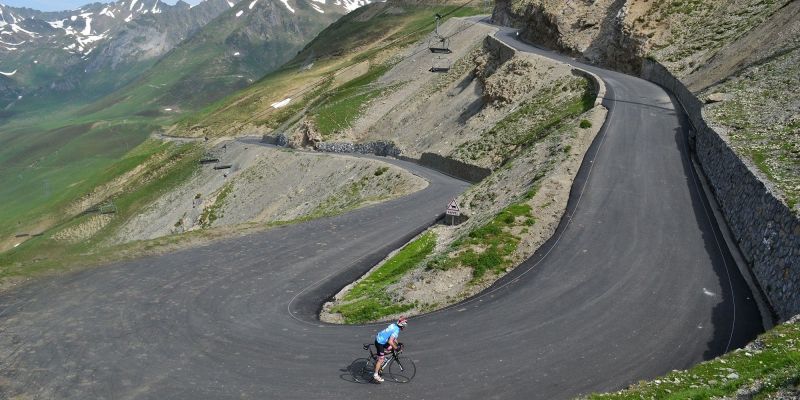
[[377, 378]]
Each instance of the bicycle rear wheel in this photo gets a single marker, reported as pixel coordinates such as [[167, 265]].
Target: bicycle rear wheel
[[401, 370]]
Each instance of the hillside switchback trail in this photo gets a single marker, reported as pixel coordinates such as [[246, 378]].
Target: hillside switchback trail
[[633, 284]]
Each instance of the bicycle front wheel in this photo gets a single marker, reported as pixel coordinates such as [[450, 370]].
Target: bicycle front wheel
[[401, 370]]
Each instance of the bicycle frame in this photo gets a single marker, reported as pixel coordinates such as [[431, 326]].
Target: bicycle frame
[[388, 359]]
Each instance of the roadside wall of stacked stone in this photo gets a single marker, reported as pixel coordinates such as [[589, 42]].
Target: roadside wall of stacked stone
[[378, 148], [451, 167], [765, 228]]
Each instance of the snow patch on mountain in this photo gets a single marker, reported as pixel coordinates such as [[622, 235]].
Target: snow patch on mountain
[[351, 5], [316, 7], [87, 30], [286, 3], [17, 29], [231, 4], [252, 4], [107, 13], [239, 13], [8, 73], [12, 44], [282, 103]]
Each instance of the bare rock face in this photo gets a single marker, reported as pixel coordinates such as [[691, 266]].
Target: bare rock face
[[512, 83], [718, 97], [310, 135]]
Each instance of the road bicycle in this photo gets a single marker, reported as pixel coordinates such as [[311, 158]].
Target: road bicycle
[[396, 367]]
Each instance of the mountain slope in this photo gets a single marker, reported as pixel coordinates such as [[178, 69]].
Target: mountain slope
[[240, 46], [49, 163], [93, 50]]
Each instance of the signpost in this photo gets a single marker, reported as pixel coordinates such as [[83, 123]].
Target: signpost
[[452, 211]]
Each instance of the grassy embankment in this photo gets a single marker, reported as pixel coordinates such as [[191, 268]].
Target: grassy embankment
[[769, 365], [488, 247], [368, 299]]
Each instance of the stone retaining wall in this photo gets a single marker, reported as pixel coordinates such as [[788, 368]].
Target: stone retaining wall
[[452, 167], [502, 51], [378, 148], [766, 230], [277, 140]]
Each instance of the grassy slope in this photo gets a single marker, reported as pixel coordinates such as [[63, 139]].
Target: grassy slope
[[368, 300], [203, 69], [46, 167], [52, 154], [369, 30], [48, 163], [761, 117], [172, 165]]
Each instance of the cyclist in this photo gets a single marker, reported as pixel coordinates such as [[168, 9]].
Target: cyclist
[[386, 340]]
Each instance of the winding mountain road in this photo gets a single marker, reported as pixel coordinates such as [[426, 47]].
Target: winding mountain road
[[635, 283]]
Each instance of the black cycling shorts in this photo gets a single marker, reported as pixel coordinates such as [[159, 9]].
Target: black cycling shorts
[[380, 348]]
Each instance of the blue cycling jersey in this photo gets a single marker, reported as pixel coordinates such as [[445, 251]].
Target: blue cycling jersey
[[392, 331]]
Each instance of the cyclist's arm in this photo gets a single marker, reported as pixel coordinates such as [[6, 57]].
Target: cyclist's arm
[[393, 343]]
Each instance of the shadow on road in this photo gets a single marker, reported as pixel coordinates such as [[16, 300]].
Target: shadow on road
[[735, 319], [357, 372]]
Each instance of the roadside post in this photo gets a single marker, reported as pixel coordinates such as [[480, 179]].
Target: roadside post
[[452, 212]]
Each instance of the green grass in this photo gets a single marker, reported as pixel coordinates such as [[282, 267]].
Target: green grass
[[488, 247], [45, 169], [535, 120], [775, 362], [380, 171], [214, 211], [368, 299], [339, 108], [333, 49], [43, 254]]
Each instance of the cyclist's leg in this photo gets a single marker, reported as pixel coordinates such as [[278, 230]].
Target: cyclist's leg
[[380, 352]]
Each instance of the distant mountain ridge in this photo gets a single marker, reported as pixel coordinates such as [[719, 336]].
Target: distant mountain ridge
[[235, 49], [99, 48], [51, 52]]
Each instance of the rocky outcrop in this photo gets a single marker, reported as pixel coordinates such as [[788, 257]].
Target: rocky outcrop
[[310, 135]]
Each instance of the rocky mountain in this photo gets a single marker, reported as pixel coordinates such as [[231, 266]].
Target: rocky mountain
[[93, 49], [220, 45], [234, 50]]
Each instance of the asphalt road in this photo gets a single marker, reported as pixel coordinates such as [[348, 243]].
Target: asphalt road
[[634, 284]]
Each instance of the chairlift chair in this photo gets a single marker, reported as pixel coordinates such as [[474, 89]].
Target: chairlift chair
[[439, 45], [440, 64]]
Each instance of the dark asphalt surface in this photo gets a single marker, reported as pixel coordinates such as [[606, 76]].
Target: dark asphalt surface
[[634, 284]]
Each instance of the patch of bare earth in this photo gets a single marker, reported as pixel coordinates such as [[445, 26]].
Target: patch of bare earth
[[264, 185]]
